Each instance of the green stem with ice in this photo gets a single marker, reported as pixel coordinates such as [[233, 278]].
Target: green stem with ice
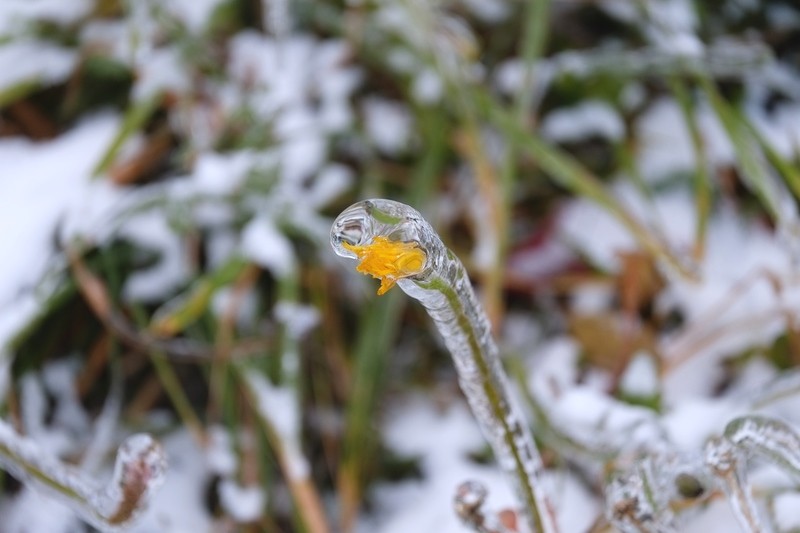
[[443, 288]]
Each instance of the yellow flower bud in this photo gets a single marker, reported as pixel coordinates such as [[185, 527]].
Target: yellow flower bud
[[388, 260]]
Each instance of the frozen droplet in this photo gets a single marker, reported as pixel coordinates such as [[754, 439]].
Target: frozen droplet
[[470, 497]]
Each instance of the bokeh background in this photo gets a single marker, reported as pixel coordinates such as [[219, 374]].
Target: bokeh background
[[620, 178]]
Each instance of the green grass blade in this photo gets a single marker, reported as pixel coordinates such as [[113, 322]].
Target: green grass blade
[[567, 172], [751, 161], [136, 117], [179, 313], [701, 176]]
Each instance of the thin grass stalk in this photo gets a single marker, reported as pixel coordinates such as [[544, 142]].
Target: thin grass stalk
[[173, 388], [725, 461], [96, 294], [751, 161], [219, 375], [379, 326], [181, 312], [702, 178], [494, 199], [177, 396], [789, 171], [135, 119], [294, 465]]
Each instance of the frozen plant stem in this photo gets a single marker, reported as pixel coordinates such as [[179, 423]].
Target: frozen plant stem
[[138, 473], [725, 460], [393, 243]]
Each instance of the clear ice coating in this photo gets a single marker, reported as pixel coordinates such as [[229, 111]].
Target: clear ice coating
[[727, 461], [468, 501], [770, 438], [139, 471], [361, 223], [443, 288]]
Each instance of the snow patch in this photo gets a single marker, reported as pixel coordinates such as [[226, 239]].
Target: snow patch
[[587, 119], [244, 504], [264, 244]]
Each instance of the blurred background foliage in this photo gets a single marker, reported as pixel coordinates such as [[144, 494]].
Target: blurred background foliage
[[243, 127]]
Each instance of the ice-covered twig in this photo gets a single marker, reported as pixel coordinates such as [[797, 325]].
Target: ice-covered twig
[[393, 243], [139, 471]]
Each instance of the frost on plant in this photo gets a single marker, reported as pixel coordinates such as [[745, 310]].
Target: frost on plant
[[643, 497], [395, 244], [138, 473], [638, 501], [769, 438]]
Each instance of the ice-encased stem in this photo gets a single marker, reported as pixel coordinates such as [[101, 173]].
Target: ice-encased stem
[[443, 288], [726, 461], [138, 472]]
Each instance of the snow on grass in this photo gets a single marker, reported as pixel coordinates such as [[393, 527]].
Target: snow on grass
[[298, 319], [244, 504], [32, 510], [388, 124], [735, 305], [53, 63], [442, 439], [152, 231], [61, 167], [578, 217], [427, 87], [193, 13], [666, 147], [641, 377], [279, 407], [163, 70], [301, 86], [268, 247], [16, 16], [582, 121], [288, 74]]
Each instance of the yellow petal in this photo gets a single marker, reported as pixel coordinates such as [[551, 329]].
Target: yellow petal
[[388, 260]]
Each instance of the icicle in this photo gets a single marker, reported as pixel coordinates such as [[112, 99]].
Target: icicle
[[396, 245], [468, 504]]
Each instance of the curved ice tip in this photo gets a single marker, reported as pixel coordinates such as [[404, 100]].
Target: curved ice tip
[[139, 472], [352, 227], [383, 236]]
